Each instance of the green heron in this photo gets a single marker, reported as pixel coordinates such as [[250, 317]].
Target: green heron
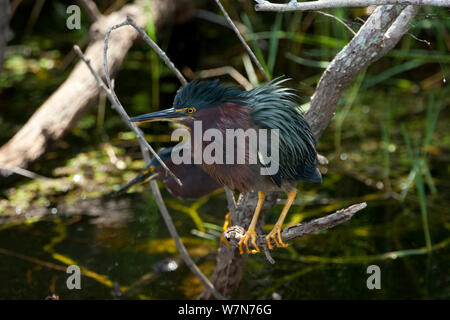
[[271, 106], [196, 182]]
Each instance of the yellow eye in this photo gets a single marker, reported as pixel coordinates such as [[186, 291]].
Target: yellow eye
[[190, 110]]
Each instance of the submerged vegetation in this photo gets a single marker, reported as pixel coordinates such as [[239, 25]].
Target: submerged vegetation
[[388, 144]]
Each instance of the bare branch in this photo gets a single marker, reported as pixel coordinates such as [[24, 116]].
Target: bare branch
[[91, 9], [235, 233], [215, 72], [338, 20], [173, 232], [293, 5], [244, 43], [398, 28], [369, 45], [117, 105], [218, 19], [145, 147], [158, 50], [24, 172], [160, 202]]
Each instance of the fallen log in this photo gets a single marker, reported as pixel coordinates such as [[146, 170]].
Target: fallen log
[[72, 99]]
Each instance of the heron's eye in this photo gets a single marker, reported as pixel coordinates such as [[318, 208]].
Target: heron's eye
[[190, 110]]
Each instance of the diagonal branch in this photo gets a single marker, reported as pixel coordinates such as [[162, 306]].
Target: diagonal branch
[[216, 72], [168, 220], [118, 106], [158, 50], [145, 147], [235, 233], [379, 34], [91, 9], [244, 43], [293, 5], [338, 20], [24, 172]]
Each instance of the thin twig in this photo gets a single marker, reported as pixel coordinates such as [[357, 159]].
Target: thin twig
[[158, 50], [218, 19], [24, 172], [119, 108], [337, 19], [91, 9], [160, 202], [263, 5], [143, 143], [235, 233], [215, 72], [173, 232], [250, 52]]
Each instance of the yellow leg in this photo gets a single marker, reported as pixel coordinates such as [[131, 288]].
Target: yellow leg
[[227, 223], [275, 234], [251, 233]]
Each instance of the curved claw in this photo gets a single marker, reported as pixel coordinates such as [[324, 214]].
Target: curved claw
[[250, 234], [275, 235], [227, 223], [222, 239]]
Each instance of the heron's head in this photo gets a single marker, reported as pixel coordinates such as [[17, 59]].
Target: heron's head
[[192, 100]]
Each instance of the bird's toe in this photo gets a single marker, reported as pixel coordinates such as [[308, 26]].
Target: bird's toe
[[225, 227], [224, 240], [275, 235], [249, 235]]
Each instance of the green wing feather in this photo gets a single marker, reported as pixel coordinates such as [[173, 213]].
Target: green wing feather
[[276, 107]]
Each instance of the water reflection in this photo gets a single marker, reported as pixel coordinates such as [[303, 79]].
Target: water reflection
[[124, 251]]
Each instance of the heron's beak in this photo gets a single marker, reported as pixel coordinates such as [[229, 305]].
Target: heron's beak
[[149, 178], [163, 115]]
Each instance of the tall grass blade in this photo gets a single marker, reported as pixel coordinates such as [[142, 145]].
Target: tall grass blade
[[423, 202], [273, 46], [154, 58], [254, 45]]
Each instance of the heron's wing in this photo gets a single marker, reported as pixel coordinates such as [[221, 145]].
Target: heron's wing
[[141, 178]]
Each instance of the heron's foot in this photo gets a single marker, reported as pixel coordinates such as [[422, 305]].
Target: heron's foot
[[275, 235], [249, 235], [228, 223]]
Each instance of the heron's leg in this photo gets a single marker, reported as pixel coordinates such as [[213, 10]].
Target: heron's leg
[[227, 223], [275, 234], [251, 233]]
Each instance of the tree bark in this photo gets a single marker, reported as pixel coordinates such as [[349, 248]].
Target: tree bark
[[370, 44], [230, 263], [65, 106]]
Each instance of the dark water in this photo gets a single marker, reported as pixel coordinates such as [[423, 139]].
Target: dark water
[[129, 246]]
